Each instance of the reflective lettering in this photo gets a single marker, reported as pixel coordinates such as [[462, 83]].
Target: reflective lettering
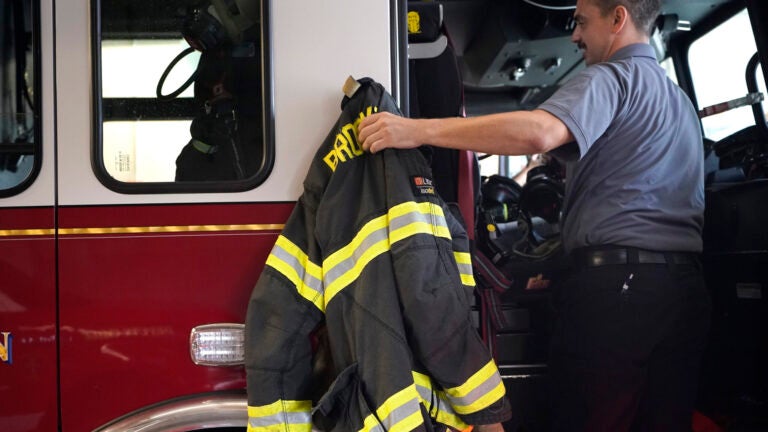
[[346, 145], [332, 160], [6, 348]]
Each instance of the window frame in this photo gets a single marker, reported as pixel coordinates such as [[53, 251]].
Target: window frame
[[681, 44], [709, 125], [37, 146], [213, 186]]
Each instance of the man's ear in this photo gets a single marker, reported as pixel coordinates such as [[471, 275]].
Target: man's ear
[[620, 18]]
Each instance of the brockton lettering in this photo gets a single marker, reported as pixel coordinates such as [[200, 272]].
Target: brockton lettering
[[346, 146]]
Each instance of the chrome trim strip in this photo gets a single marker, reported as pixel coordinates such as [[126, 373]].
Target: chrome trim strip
[[203, 411]]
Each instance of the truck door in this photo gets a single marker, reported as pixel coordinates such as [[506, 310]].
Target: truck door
[[167, 207], [109, 257]]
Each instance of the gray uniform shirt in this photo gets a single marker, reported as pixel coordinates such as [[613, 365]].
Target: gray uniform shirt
[[637, 177]]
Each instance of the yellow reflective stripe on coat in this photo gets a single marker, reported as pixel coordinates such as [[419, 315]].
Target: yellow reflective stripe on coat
[[440, 411], [480, 391], [401, 412], [280, 416], [294, 264], [404, 220], [464, 262]]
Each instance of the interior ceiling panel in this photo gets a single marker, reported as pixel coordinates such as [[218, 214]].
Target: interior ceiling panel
[[518, 50]]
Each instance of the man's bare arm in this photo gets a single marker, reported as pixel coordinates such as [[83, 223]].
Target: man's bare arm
[[511, 133], [496, 427]]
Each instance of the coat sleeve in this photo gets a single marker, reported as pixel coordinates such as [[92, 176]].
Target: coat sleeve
[[286, 305], [435, 282], [495, 407]]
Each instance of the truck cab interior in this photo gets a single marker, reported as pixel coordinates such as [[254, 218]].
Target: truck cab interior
[[480, 57]]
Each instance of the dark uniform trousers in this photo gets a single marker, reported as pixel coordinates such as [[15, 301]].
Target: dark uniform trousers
[[630, 327]]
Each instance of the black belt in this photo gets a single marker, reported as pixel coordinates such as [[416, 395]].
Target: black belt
[[618, 256]]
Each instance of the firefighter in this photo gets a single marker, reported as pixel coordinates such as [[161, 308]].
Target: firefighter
[[633, 313]]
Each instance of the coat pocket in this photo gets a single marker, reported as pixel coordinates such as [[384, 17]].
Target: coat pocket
[[343, 407]]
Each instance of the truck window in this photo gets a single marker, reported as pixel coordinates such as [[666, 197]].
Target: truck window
[[179, 96], [718, 61], [669, 67], [19, 96]]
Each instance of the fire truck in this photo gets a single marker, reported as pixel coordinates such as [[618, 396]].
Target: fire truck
[[151, 151]]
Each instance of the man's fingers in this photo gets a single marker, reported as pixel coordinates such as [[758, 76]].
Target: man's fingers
[[382, 130], [364, 136], [370, 130], [372, 140], [372, 148], [365, 129]]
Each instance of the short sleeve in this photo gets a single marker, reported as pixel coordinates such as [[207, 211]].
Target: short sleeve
[[587, 104]]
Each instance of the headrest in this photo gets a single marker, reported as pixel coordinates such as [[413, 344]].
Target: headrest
[[425, 37], [424, 21]]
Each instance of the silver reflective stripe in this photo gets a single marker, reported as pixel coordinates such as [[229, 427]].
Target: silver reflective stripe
[[465, 269], [424, 392], [402, 221], [464, 264], [475, 394], [416, 216], [432, 399], [348, 264], [287, 418], [310, 281], [438, 406], [401, 413]]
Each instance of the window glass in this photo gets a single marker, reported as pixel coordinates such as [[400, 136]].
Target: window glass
[[760, 79], [505, 165], [180, 95], [718, 62], [19, 96], [669, 67]]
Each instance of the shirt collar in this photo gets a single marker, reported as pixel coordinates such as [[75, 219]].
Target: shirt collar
[[634, 50]]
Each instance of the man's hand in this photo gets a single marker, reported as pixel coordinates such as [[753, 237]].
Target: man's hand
[[385, 130], [496, 427]]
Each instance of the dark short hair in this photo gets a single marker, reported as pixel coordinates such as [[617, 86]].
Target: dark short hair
[[642, 12]]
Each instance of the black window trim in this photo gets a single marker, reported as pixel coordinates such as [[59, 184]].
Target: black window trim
[[683, 42], [268, 119], [37, 146]]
